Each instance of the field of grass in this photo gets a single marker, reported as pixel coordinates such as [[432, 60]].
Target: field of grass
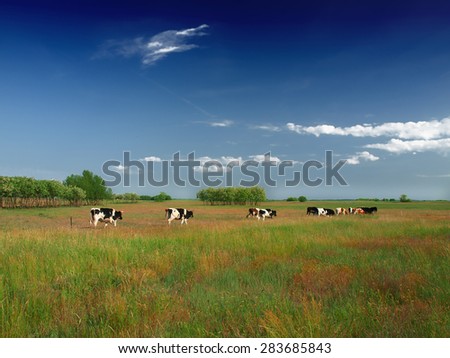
[[384, 275]]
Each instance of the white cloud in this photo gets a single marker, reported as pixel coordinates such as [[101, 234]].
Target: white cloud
[[152, 159], [262, 157], [214, 165], [119, 168], [224, 123], [267, 127], [361, 156], [426, 130], [400, 146], [191, 32], [156, 48], [227, 159]]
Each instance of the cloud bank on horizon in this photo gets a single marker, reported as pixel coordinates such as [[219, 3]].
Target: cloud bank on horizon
[[407, 137]]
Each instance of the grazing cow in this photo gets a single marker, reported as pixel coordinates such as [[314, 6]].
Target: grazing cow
[[371, 210], [358, 211], [325, 212], [312, 210], [330, 212], [106, 215], [341, 211], [178, 214], [261, 213]]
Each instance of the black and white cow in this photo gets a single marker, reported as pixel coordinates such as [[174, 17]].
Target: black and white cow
[[264, 213], [325, 212], [312, 210], [106, 215], [261, 213], [178, 214]]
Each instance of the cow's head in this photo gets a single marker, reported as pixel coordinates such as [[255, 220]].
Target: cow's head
[[118, 215], [189, 214], [273, 213]]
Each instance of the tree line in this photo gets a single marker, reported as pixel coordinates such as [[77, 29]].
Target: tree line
[[232, 196], [76, 190]]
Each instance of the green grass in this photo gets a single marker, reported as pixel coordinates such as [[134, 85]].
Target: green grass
[[224, 276]]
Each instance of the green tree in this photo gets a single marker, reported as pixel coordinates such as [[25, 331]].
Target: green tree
[[132, 197], [302, 198], [93, 185], [404, 198], [162, 197], [74, 195]]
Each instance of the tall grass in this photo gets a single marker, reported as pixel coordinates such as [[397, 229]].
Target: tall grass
[[224, 276]]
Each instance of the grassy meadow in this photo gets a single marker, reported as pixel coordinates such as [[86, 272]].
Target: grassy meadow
[[383, 275]]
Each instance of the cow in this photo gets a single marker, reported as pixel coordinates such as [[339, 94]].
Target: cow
[[264, 213], [106, 215], [312, 210], [330, 212], [371, 210], [341, 211], [325, 212], [261, 213], [178, 214], [358, 211]]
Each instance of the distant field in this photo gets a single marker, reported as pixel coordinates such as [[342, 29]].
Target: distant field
[[384, 275]]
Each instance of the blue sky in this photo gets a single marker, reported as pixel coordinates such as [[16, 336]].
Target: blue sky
[[85, 81]]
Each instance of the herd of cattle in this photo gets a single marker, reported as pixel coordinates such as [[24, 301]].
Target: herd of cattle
[[312, 210], [110, 216]]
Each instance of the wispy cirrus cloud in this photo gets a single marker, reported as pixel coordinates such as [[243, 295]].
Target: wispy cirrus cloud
[[154, 49], [267, 127], [224, 123]]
